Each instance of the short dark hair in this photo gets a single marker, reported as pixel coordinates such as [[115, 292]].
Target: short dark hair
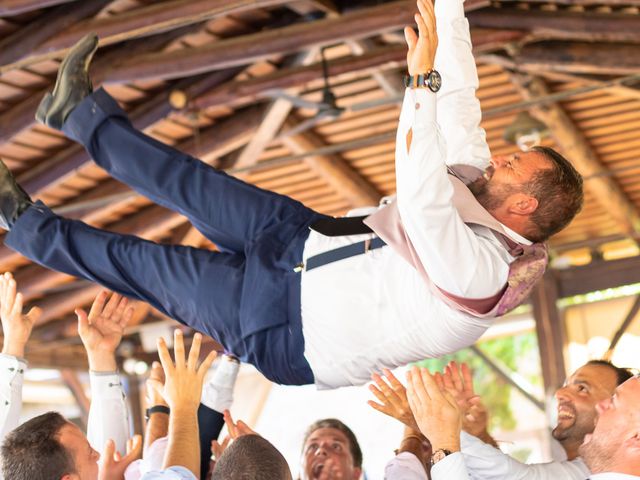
[[559, 191], [33, 452], [251, 457], [354, 446], [622, 374]]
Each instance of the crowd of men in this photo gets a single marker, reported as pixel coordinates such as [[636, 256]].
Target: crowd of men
[[446, 433], [460, 245]]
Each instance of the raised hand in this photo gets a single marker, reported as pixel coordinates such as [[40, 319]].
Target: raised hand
[[182, 387], [236, 429], [392, 397], [112, 464], [435, 410], [422, 47], [458, 380], [218, 448], [101, 330], [16, 327], [154, 385]]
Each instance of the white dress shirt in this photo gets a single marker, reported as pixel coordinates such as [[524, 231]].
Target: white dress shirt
[[485, 462], [11, 377], [452, 467], [108, 414], [374, 310], [405, 466], [171, 473]]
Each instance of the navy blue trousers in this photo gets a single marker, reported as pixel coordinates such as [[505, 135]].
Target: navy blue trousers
[[247, 297]]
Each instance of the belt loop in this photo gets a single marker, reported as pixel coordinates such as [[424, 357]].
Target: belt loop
[[367, 245]]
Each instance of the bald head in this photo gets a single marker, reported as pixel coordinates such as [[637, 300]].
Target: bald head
[[614, 445]]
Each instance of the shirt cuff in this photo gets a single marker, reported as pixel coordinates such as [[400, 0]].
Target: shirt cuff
[[450, 467], [424, 105], [405, 466], [14, 367], [105, 385]]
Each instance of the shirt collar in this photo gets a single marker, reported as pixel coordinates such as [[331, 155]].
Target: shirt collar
[[516, 236]]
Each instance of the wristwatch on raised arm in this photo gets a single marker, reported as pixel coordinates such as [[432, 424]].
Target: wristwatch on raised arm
[[431, 80], [438, 455]]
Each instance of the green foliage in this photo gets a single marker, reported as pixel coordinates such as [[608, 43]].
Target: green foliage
[[512, 352]]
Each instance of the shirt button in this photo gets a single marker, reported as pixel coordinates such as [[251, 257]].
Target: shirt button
[[417, 106]]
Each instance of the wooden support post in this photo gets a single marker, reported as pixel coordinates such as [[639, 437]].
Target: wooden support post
[[71, 380], [575, 146], [550, 329], [624, 326]]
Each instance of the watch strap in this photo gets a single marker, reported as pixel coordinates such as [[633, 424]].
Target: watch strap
[[157, 409]]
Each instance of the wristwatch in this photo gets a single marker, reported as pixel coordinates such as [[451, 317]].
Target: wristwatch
[[431, 80], [156, 409], [438, 455]]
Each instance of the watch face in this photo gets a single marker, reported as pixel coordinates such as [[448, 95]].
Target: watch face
[[439, 455], [434, 81]]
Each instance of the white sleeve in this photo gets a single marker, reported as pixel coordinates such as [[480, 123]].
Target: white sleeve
[[451, 467], [458, 107], [108, 414], [11, 377], [456, 259], [405, 466], [485, 462], [171, 473]]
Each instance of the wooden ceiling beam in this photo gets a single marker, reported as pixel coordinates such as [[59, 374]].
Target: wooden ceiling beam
[[29, 37], [561, 25], [380, 59], [276, 113], [581, 58], [22, 115], [575, 146], [263, 45], [9, 8], [333, 169], [141, 22]]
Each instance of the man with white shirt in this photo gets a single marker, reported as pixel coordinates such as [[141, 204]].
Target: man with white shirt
[[577, 401], [51, 447], [612, 451], [291, 290], [100, 332]]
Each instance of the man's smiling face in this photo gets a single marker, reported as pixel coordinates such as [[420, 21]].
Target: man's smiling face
[[578, 398], [327, 450]]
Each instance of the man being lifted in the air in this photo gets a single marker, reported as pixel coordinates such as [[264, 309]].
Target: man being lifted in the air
[[287, 295]]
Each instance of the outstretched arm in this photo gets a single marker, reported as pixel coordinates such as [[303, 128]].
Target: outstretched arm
[[101, 331], [16, 329], [458, 107], [456, 259]]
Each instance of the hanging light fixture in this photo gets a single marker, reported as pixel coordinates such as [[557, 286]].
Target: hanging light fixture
[[525, 131]]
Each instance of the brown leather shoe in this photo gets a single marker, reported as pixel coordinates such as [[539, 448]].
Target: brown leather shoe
[[72, 85]]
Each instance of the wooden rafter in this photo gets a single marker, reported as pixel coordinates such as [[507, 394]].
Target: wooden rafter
[[333, 169], [16, 7]]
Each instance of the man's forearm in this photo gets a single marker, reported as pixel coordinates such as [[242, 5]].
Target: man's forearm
[[102, 361], [183, 448], [157, 427]]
